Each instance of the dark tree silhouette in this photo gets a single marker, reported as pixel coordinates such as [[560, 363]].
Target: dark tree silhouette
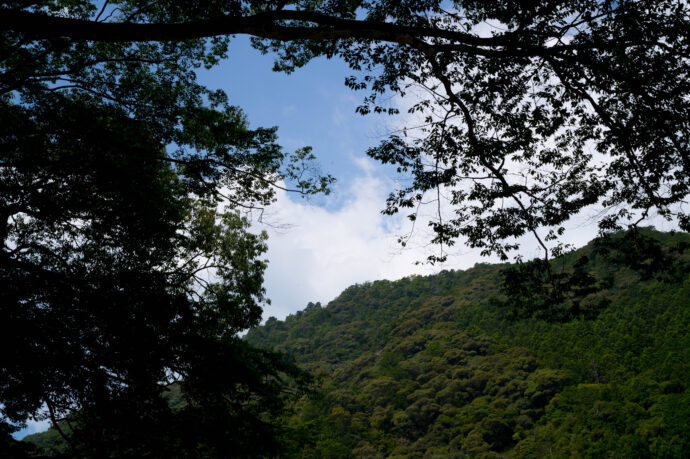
[[127, 267]]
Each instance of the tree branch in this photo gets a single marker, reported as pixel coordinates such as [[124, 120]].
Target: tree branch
[[477, 148], [261, 25], [272, 25]]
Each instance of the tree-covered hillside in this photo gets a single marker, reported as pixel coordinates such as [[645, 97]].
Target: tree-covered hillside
[[435, 367]]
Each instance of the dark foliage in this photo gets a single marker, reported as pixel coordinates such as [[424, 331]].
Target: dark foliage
[[528, 114], [560, 107], [126, 264]]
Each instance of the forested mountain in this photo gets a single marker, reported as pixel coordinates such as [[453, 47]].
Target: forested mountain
[[433, 367]]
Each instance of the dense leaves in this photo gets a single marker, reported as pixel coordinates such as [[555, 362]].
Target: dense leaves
[[525, 117], [530, 112], [127, 263], [114, 161], [430, 366]]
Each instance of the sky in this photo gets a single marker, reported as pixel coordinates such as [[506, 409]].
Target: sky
[[319, 247]]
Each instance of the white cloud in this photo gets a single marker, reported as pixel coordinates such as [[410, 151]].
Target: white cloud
[[323, 251], [316, 252]]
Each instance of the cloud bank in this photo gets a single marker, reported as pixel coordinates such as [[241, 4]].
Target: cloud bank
[[316, 252]]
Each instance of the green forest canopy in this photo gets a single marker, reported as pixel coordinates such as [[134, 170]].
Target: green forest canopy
[[432, 367]]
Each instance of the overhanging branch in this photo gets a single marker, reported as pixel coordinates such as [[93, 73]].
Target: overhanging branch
[[260, 25], [272, 25]]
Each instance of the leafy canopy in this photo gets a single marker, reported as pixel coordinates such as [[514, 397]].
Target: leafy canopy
[[534, 111], [428, 366]]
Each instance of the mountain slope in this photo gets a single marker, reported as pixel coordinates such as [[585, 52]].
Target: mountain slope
[[429, 366]]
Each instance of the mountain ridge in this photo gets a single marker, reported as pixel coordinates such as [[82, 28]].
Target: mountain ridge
[[429, 366]]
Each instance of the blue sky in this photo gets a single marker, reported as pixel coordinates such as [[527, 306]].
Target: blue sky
[[318, 248], [328, 243], [311, 106]]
